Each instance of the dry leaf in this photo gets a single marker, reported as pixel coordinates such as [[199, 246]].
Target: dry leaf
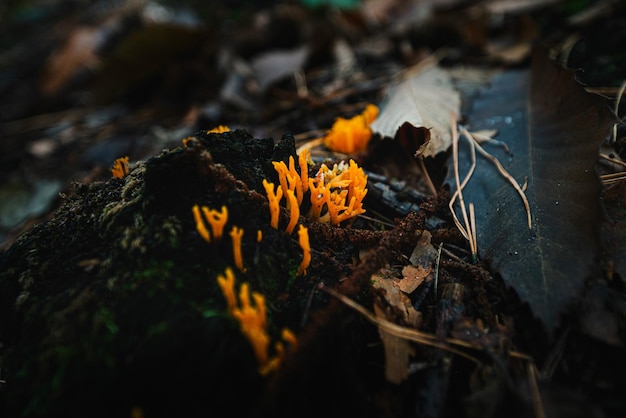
[[272, 66], [397, 353], [412, 277], [424, 254], [397, 350], [424, 100], [77, 53]]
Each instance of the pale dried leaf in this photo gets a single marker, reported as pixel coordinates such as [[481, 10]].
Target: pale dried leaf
[[412, 277], [424, 254], [397, 298], [274, 65], [426, 99], [397, 353]]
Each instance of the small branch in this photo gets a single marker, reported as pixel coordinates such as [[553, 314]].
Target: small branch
[[508, 177], [429, 181]]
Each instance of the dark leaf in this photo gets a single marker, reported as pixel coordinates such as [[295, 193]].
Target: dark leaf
[[553, 129]]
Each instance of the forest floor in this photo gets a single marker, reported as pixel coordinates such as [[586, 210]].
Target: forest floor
[[110, 303]]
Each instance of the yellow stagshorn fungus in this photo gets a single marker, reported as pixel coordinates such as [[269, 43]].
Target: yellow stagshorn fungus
[[303, 239], [216, 219], [236, 234], [120, 168], [351, 135], [294, 211], [336, 194], [218, 129], [274, 200], [253, 322]]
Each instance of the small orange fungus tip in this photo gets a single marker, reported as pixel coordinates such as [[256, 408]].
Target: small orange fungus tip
[[200, 226], [370, 113], [351, 135], [303, 239], [136, 412], [303, 162], [274, 201], [218, 129], [294, 211], [216, 219], [227, 285], [289, 337], [249, 309], [120, 168], [253, 322], [186, 141], [259, 235], [236, 233]]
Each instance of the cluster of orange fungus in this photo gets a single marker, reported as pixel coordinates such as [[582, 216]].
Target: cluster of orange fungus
[[120, 168], [303, 239], [293, 186], [216, 219], [218, 129], [337, 194], [351, 135], [252, 319]]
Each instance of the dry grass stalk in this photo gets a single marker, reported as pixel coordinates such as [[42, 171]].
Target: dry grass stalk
[[447, 344], [504, 174], [467, 229], [427, 179], [618, 99], [613, 178]]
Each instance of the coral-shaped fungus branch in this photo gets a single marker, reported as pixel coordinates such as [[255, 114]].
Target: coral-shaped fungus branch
[[351, 135], [236, 234], [218, 130], [120, 168], [216, 219], [274, 200], [303, 239], [252, 319]]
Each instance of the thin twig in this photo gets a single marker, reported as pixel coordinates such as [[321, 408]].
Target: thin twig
[[429, 182], [509, 178], [459, 186], [613, 160], [612, 178], [473, 233], [411, 334], [436, 278], [397, 330], [467, 230], [618, 99]]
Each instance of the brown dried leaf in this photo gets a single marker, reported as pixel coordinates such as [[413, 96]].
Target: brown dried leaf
[[77, 53], [426, 99], [412, 277]]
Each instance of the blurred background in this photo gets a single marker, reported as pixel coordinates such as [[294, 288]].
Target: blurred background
[[85, 82]]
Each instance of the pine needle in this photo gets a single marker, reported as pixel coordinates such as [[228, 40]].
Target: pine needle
[[506, 175], [466, 230]]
